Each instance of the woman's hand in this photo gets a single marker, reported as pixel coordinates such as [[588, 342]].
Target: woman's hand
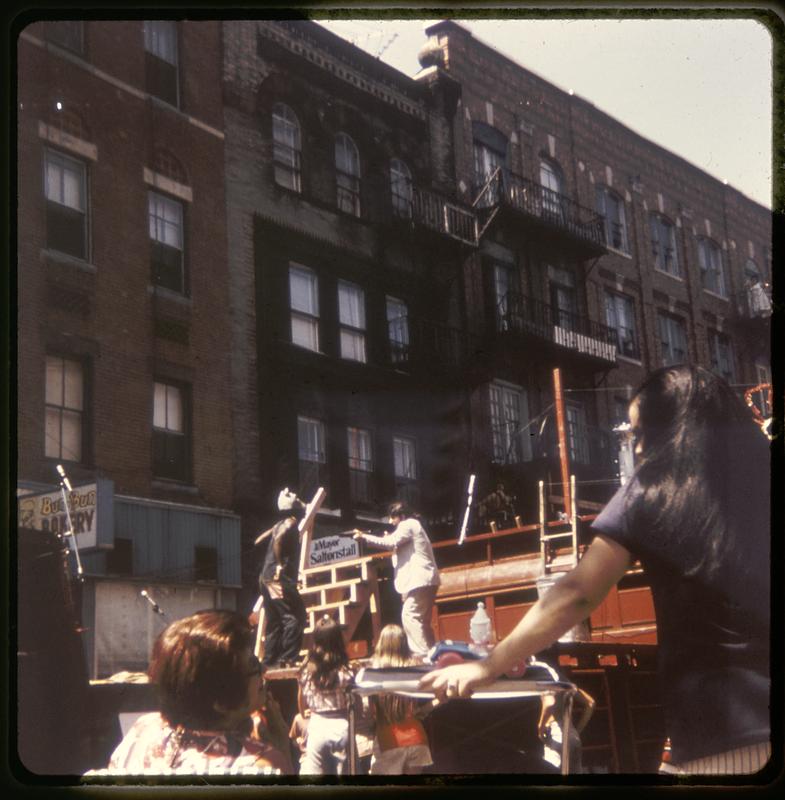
[[458, 680]]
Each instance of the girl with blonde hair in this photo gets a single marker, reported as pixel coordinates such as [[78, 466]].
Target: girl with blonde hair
[[400, 743]]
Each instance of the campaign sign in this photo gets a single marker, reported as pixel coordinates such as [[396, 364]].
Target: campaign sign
[[332, 549]]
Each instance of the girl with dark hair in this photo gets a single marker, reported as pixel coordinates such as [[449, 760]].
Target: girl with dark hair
[[696, 515], [208, 683], [324, 682]]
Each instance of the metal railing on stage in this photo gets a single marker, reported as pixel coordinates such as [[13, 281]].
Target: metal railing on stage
[[403, 681]]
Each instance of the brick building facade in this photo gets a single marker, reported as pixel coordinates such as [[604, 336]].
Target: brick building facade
[[123, 324], [676, 273]]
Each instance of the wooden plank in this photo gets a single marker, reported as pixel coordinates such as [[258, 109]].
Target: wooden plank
[[307, 523]]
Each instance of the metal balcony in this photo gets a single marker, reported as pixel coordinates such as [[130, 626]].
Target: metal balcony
[[517, 313], [423, 344], [754, 302], [543, 206], [437, 214]]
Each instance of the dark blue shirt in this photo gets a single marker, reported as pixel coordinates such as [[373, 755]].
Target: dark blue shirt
[[712, 626]]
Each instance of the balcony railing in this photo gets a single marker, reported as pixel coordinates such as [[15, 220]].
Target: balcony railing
[[530, 198], [754, 302], [421, 342], [519, 313], [438, 214]]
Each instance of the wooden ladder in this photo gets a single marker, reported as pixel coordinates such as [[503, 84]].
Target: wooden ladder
[[566, 558], [344, 590]]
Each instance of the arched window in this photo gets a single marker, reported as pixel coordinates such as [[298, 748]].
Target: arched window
[[286, 147], [611, 206], [663, 245], [347, 175], [401, 187], [552, 188], [710, 262]]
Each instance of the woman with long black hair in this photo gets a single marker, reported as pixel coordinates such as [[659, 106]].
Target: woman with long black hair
[[696, 513]]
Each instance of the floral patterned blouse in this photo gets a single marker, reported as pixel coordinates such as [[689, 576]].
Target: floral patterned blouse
[[153, 747]]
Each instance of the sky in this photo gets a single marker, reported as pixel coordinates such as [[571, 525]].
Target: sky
[[701, 88]]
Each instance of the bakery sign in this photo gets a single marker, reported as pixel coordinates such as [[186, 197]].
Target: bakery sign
[[332, 549], [47, 512]]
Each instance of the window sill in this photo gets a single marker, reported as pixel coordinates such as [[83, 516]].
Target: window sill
[[169, 294], [714, 294], [169, 485], [616, 252], [56, 257], [669, 274]]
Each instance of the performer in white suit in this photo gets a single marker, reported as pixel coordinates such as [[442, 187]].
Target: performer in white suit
[[416, 574]]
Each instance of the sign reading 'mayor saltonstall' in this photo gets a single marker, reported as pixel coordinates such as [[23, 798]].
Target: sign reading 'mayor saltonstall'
[[330, 549]]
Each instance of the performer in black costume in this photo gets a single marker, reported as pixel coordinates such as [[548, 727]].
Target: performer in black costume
[[283, 607]]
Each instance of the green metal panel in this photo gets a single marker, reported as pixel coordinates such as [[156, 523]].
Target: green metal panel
[[164, 538]]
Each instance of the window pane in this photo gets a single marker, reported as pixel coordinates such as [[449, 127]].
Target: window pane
[[174, 409], [52, 433], [302, 291], [351, 305], [160, 39], [404, 458], [72, 436], [347, 159], [54, 381], [166, 221], [352, 345], [310, 440], [159, 405], [73, 391], [359, 449], [305, 332]]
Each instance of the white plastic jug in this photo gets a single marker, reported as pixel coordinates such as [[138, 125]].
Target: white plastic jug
[[480, 627]]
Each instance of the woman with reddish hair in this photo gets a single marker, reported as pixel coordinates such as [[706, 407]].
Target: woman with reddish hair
[[209, 683]]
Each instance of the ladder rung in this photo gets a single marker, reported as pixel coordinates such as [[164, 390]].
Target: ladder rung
[[549, 536]]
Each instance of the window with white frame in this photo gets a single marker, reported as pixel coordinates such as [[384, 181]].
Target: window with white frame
[[65, 188], [304, 307], [347, 175], [401, 188], [564, 297], [351, 316], [552, 188], [577, 433], [161, 65], [312, 454], [509, 415], [286, 147], [360, 454], [167, 242], [620, 315], [721, 355], [673, 339], [663, 245], [405, 458], [611, 206], [171, 446], [506, 291], [710, 263], [397, 329], [65, 409]]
